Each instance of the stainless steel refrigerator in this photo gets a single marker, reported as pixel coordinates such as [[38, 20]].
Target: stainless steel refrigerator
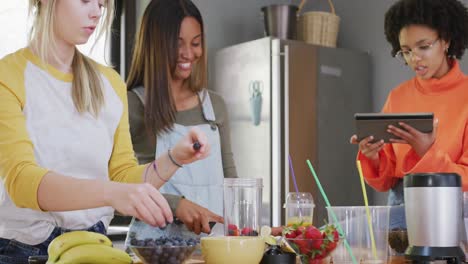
[[288, 97]]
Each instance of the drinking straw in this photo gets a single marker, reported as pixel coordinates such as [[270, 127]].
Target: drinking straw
[[340, 230], [295, 183], [366, 203]]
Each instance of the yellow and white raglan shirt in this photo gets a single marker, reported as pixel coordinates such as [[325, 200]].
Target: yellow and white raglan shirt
[[41, 131]]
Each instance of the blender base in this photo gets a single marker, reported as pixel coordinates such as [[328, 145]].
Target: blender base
[[418, 254]]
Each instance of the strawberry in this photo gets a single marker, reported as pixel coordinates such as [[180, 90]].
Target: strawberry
[[300, 231], [302, 245], [331, 246], [321, 255], [246, 231], [316, 243], [313, 233], [336, 236], [232, 227], [290, 234]]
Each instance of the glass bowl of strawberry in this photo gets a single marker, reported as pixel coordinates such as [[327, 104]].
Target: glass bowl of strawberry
[[313, 245]]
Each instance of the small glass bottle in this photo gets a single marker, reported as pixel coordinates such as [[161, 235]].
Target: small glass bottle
[[299, 208]]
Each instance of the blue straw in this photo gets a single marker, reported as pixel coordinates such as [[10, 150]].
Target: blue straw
[[340, 230]]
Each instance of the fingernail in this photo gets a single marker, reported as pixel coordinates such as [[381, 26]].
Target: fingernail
[[388, 130]]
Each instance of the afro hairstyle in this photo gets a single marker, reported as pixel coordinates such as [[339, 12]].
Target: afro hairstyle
[[449, 18]]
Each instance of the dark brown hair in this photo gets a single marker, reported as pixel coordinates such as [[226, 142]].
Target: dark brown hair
[[448, 17], [155, 60]]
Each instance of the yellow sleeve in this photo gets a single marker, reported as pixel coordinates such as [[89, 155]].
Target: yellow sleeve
[[18, 168], [123, 165]]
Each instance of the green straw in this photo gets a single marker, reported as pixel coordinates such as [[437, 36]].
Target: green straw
[[340, 230]]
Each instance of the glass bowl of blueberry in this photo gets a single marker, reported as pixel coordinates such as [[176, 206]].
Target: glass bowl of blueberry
[[170, 250]]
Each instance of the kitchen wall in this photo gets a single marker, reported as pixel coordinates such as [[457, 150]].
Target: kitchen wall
[[362, 21], [229, 22]]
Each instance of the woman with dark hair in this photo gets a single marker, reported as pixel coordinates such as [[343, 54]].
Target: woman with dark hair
[[168, 96], [428, 37]]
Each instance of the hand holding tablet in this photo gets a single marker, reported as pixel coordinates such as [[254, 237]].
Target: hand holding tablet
[[376, 124]]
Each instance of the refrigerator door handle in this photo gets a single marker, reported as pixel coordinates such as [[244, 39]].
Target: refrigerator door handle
[[277, 126], [285, 117]]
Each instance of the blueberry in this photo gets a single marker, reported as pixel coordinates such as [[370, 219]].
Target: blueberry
[[196, 145], [168, 244], [151, 243]]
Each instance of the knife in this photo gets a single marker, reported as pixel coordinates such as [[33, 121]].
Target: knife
[[178, 228]]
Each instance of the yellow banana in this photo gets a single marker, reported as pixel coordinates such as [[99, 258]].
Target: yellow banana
[[72, 239], [96, 254]]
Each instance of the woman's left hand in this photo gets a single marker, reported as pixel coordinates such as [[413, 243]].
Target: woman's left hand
[[184, 151], [421, 142]]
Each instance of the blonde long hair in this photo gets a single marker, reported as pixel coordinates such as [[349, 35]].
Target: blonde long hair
[[87, 92]]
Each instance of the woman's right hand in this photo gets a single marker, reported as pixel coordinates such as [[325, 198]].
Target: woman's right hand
[[142, 201], [369, 149], [184, 151]]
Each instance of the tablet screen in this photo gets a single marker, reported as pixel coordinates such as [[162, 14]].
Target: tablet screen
[[376, 124]]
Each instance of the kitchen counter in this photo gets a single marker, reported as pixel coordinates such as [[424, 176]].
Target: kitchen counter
[[198, 259]]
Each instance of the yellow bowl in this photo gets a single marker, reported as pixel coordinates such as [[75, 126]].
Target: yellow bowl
[[232, 250]]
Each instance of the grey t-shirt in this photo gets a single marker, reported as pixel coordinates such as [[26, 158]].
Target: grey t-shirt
[[145, 149]]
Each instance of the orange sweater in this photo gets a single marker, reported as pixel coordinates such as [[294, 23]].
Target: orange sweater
[[447, 98]]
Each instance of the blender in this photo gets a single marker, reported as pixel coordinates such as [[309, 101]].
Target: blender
[[242, 206], [434, 217]]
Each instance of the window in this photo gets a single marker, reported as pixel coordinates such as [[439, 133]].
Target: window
[[15, 29]]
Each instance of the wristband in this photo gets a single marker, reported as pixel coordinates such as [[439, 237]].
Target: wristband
[[172, 159]]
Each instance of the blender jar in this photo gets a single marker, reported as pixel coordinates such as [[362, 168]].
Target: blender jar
[[242, 206], [299, 208]]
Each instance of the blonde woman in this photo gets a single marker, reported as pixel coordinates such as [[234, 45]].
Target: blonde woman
[[66, 159]]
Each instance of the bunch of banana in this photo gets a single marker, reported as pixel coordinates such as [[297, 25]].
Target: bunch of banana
[[85, 247]]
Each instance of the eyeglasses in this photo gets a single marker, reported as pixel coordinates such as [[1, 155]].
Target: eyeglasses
[[420, 51]]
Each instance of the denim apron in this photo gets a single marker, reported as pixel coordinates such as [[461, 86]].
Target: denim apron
[[202, 181]]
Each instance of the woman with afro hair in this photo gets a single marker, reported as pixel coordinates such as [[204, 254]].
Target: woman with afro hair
[[429, 36]]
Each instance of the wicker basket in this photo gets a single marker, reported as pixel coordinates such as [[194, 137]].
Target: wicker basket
[[319, 28]]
